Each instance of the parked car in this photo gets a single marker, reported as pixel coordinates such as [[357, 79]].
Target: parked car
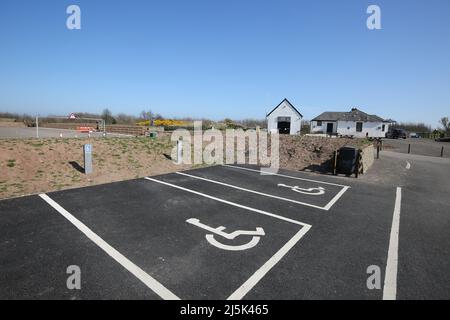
[[413, 135], [396, 134]]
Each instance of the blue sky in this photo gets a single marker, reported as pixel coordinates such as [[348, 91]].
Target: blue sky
[[226, 58]]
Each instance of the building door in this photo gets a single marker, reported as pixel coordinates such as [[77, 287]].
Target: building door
[[329, 128], [284, 125]]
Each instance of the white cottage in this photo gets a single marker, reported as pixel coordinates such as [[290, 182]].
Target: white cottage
[[355, 123], [284, 119]]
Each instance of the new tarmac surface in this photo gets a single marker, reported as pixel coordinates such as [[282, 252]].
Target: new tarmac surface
[[418, 146], [230, 232]]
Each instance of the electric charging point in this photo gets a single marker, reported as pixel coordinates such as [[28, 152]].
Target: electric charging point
[[87, 150]]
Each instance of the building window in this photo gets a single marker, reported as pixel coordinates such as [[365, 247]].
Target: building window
[[383, 127], [319, 123], [359, 126]]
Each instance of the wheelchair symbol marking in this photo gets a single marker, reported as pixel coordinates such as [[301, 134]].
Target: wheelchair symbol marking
[[310, 191], [256, 236]]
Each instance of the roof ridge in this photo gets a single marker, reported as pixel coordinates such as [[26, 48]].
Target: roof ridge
[[354, 114], [290, 104]]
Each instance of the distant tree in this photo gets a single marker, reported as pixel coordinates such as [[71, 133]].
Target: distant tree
[[413, 127], [445, 124], [207, 124], [108, 117], [147, 115], [16, 116], [252, 123], [123, 118], [306, 126], [87, 115], [230, 124]]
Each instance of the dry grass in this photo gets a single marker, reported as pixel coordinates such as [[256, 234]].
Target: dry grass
[[32, 165], [42, 165]]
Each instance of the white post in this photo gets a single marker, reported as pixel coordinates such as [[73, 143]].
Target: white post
[[37, 127], [179, 151]]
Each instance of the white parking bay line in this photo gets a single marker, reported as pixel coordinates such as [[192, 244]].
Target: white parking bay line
[[149, 281], [326, 207], [335, 198], [261, 272], [285, 176], [252, 191], [229, 202], [390, 279]]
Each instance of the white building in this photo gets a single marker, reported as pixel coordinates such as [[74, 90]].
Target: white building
[[355, 123], [284, 119]]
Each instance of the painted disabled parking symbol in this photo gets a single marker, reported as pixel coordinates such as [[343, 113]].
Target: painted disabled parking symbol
[[311, 191], [256, 236]]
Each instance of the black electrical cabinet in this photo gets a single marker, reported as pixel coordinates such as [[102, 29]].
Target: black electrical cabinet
[[347, 160]]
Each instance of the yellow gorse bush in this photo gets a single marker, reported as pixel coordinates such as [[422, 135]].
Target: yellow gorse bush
[[170, 123], [164, 123]]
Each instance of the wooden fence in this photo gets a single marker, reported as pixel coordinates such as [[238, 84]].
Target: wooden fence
[[113, 128], [124, 129]]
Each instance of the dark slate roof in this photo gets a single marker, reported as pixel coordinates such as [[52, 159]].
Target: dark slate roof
[[353, 115], [290, 104]]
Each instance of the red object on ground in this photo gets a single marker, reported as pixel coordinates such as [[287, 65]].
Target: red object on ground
[[85, 129]]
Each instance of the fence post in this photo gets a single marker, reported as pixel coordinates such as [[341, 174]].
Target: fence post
[[442, 151], [334, 161], [357, 164], [409, 148]]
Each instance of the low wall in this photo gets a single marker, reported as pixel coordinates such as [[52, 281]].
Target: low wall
[[366, 158]]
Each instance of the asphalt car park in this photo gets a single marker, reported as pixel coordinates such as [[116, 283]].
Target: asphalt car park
[[418, 146], [222, 232]]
